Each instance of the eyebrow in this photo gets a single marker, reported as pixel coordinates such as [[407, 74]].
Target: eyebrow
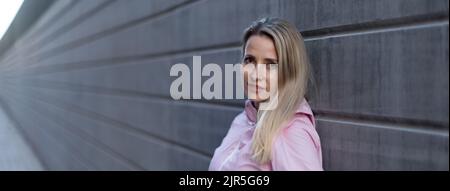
[[265, 59], [271, 60]]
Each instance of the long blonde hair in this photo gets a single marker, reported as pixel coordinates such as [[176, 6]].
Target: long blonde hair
[[293, 75]]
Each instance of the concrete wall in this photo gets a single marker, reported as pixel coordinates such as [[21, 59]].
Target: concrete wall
[[88, 83]]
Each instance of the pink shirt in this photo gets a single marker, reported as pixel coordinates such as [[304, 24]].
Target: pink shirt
[[296, 147]]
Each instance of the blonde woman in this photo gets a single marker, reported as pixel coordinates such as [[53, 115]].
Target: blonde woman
[[282, 138]]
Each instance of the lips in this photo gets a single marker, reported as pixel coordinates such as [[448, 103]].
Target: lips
[[256, 87]]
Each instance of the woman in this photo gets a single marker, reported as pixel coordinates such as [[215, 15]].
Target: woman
[[281, 137]]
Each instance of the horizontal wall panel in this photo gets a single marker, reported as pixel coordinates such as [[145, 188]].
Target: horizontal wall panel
[[201, 127], [103, 22], [359, 146], [90, 154], [348, 146], [362, 74], [142, 151], [54, 12], [57, 11], [53, 152], [397, 74], [88, 82], [171, 33], [79, 13]]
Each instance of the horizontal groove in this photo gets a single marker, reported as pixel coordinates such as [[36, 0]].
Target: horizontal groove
[[115, 29], [54, 68], [122, 125], [28, 13], [387, 121], [55, 34], [85, 137], [62, 30], [5, 106], [404, 124], [90, 38], [70, 25], [39, 30], [8, 112], [379, 26], [81, 160], [72, 87], [52, 20], [32, 34], [107, 149], [418, 21], [388, 126], [388, 25]]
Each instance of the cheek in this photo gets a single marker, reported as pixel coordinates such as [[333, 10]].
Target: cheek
[[272, 80]]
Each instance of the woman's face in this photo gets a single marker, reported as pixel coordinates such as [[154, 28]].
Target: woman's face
[[260, 67]]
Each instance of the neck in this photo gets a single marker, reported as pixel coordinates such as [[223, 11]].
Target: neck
[[255, 104]]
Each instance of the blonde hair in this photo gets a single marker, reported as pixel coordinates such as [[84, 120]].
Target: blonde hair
[[293, 75]]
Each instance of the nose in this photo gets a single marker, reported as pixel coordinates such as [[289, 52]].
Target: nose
[[258, 72]]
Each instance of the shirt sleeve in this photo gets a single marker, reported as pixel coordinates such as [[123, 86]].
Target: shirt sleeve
[[297, 148]]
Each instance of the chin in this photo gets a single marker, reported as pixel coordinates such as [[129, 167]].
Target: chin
[[259, 100]]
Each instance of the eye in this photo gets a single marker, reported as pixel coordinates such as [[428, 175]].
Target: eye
[[272, 66], [248, 60]]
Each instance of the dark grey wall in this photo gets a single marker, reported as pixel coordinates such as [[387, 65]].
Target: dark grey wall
[[88, 83]]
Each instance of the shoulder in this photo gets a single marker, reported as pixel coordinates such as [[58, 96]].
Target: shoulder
[[240, 119], [297, 146], [237, 126], [300, 128]]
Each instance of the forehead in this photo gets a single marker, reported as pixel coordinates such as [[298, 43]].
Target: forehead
[[261, 46]]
